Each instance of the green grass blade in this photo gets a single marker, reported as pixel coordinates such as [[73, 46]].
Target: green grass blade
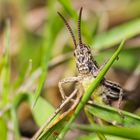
[[52, 132], [111, 115], [48, 41], [40, 86], [15, 123], [92, 121], [3, 129], [90, 90], [92, 136], [67, 5], [40, 115], [115, 35], [127, 132], [6, 65]]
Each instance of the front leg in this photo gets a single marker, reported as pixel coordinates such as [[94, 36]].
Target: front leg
[[65, 81]]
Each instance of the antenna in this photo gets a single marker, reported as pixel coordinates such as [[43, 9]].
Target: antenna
[[79, 26], [69, 28]]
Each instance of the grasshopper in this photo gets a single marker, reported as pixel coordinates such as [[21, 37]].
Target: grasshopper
[[88, 70]]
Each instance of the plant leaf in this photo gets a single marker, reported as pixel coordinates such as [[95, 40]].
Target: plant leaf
[[112, 115], [116, 34], [42, 111], [3, 129], [126, 132]]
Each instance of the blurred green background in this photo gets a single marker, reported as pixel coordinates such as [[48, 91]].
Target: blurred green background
[[36, 51]]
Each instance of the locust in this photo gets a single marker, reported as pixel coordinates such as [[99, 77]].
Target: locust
[[88, 70]]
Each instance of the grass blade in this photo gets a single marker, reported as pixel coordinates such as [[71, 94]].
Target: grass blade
[[111, 115], [3, 129], [15, 123], [6, 65], [115, 35], [131, 132], [47, 48], [67, 5]]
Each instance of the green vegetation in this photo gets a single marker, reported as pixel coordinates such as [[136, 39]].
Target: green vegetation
[[36, 53]]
